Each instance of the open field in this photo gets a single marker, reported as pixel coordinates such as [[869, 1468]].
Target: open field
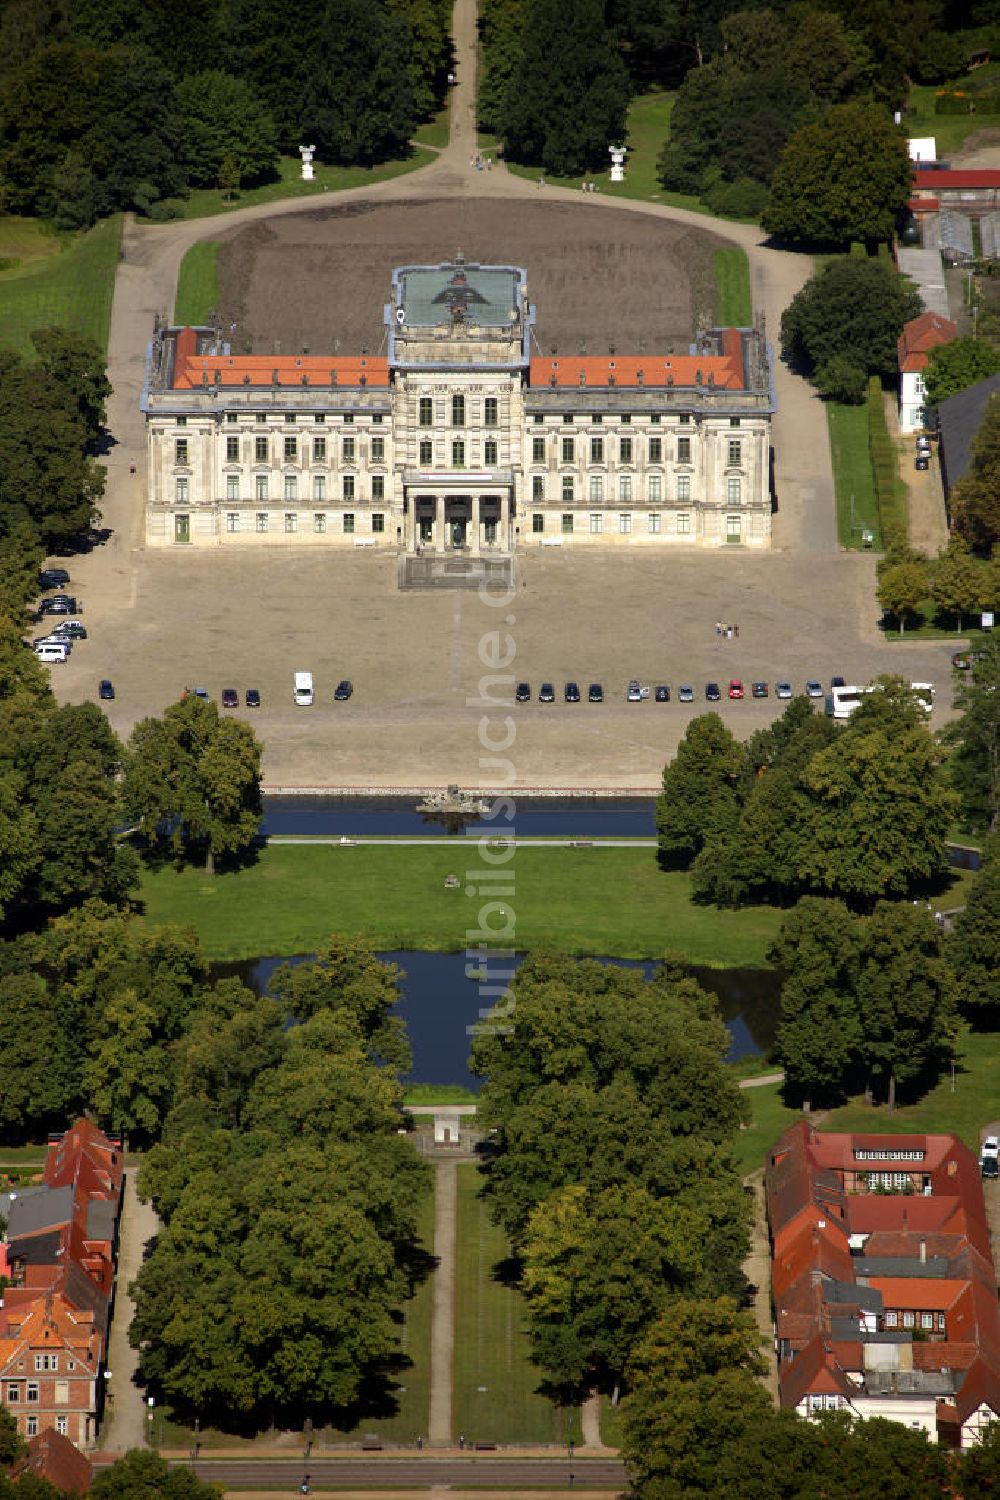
[[198, 283], [26, 242], [72, 289], [205, 202], [613, 902], [494, 1380]]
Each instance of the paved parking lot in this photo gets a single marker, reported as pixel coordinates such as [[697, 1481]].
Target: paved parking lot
[[250, 620]]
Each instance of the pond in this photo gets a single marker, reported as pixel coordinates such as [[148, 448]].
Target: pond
[[369, 817], [439, 1003]]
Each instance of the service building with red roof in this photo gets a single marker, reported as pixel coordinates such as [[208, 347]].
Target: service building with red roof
[[459, 435]]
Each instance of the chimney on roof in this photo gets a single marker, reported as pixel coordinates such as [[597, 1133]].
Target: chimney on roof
[[641, 377], [923, 1252], [611, 380], [552, 379], [218, 377], [305, 380], [274, 378], [204, 377], [333, 377], [363, 380], [697, 377], [583, 377], [246, 380]]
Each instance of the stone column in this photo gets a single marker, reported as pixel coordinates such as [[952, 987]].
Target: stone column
[[476, 525], [439, 523]]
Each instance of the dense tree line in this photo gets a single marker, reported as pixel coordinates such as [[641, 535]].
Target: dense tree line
[[289, 1200], [843, 326], [609, 1168], [858, 811], [122, 105], [956, 582]]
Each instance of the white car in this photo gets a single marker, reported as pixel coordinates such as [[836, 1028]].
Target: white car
[[990, 1148], [633, 693], [783, 690]]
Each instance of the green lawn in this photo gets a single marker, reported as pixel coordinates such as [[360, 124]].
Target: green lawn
[[495, 1382], [433, 132], [198, 283], [70, 289], [951, 131], [769, 1117], [203, 202], [596, 901], [26, 241], [852, 473], [732, 276]]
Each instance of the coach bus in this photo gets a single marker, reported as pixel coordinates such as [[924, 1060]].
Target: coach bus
[[844, 700]]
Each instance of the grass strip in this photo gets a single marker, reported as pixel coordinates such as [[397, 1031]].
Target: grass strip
[[732, 277], [206, 202], [890, 492], [198, 284], [853, 478]]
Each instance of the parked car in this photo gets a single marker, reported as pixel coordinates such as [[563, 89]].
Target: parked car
[[989, 1157], [685, 693], [571, 692], [991, 1147], [522, 693], [838, 682], [203, 694], [758, 689], [595, 693], [230, 698], [712, 692], [633, 693], [53, 578], [922, 461], [53, 640], [814, 689], [662, 693], [546, 693], [59, 604], [783, 690], [736, 688], [72, 630], [343, 690], [106, 689], [253, 698]]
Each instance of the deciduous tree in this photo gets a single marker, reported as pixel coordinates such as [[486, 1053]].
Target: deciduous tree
[[819, 1041], [973, 949], [958, 581], [701, 791], [953, 367], [902, 589], [974, 737], [852, 310], [224, 120]]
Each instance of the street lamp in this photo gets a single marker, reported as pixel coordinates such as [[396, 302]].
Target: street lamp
[[150, 1415]]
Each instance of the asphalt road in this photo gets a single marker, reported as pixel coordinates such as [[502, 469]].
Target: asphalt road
[[377, 1471]]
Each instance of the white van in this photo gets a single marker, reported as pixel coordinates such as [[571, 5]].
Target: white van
[[304, 689], [52, 651]]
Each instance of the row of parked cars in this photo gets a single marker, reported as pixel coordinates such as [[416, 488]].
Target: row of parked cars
[[638, 692], [56, 645]]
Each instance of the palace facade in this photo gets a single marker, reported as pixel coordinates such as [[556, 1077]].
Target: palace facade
[[460, 437]]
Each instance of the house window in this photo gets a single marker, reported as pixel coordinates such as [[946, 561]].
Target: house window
[[490, 412], [735, 452], [348, 450], [260, 450], [348, 522], [458, 455], [625, 450], [625, 522], [348, 487], [181, 492], [597, 450], [181, 451], [291, 487], [909, 1319], [62, 1426], [655, 488], [319, 521], [596, 522], [32, 1391], [891, 1319], [567, 524], [378, 450], [260, 486], [733, 490], [684, 486], [426, 412], [683, 523], [232, 450], [597, 488], [426, 453], [655, 450], [378, 486], [683, 450], [537, 523], [232, 520], [490, 453], [291, 521], [567, 450], [537, 450], [567, 489], [232, 486], [13, 1393], [378, 523], [458, 411], [319, 488], [262, 520], [624, 486], [927, 1320], [653, 524], [31, 1427], [537, 487], [319, 450]]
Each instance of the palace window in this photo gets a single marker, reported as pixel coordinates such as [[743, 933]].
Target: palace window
[[348, 487], [597, 418], [567, 419], [458, 411], [231, 416], [734, 421], [567, 489], [348, 450], [537, 523], [378, 486], [596, 522], [232, 450], [653, 525], [625, 450], [684, 486], [655, 419], [735, 453], [685, 418], [319, 450], [537, 487], [232, 487], [567, 524], [289, 416], [537, 450], [490, 412], [597, 450], [291, 449], [426, 453], [624, 486], [596, 488], [260, 450], [260, 486], [348, 419], [291, 487], [319, 417], [378, 523], [348, 522], [625, 522], [655, 450], [683, 450], [262, 520], [291, 521], [377, 419], [319, 488], [625, 418], [490, 453], [458, 455], [182, 421], [567, 450], [319, 521], [181, 451], [378, 450], [733, 491], [232, 520], [683, 523], [655, 485]]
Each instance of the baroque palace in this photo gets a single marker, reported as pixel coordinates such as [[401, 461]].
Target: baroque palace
[[459, 438]]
